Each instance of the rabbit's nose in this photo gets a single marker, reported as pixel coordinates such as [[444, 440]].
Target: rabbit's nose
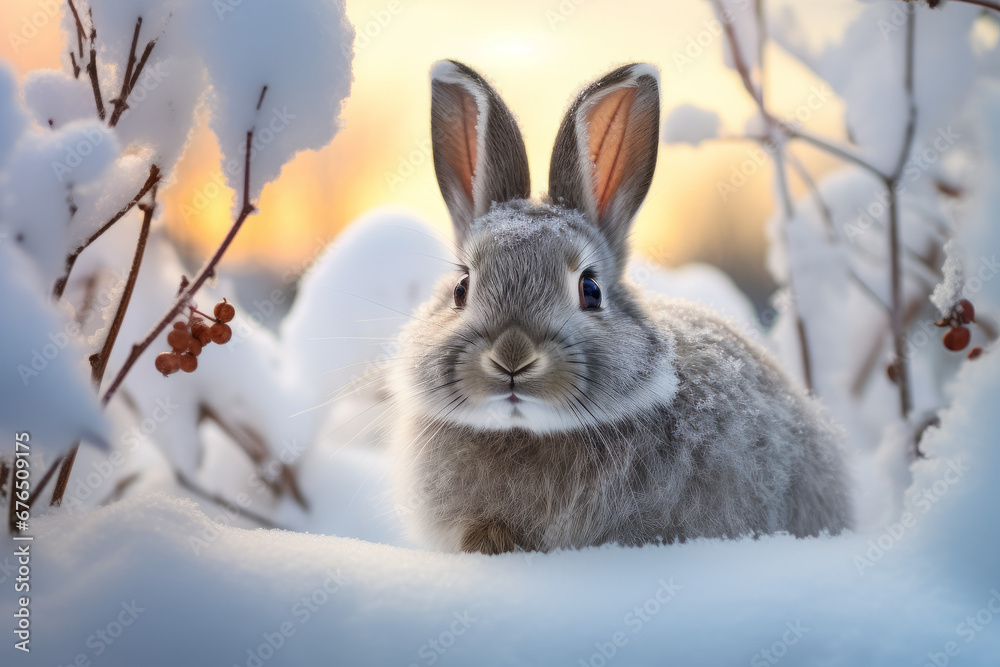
[[513, 372], [512, 354]]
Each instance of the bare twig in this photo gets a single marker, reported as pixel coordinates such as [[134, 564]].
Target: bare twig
[[121, 101], [99, 360], [256, 449], [842, 152], [120, 487], [911, 104], [133, 71], [818, 202], [867, 289], [988, 4], [870, 361], [788, 212], [151, 180], [62, 481], [219, 500], [829, 225], [897, 314], [757, 93], [758, 8], [142, 64], [92, 70], [80, 32], [45, 480], [204, 274], [741, 66]]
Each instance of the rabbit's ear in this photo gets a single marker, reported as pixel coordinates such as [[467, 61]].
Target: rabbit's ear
[[605, 152], [479, 156]]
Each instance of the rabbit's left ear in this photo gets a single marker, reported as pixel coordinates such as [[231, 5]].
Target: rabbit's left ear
[[605, 152], [479, 156]]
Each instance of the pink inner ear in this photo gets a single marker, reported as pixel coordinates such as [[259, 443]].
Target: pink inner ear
[[607, 122], [470, 116]]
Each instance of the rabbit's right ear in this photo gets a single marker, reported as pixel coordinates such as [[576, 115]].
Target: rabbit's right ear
[[479, 155], [605, 152]]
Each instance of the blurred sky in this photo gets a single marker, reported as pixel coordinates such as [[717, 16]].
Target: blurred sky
[[538, 54]]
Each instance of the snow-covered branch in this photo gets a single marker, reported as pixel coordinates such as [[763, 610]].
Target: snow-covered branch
[[207, 271], [151, 181]]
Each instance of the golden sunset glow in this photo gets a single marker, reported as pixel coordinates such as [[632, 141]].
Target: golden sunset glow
[[537, 55]]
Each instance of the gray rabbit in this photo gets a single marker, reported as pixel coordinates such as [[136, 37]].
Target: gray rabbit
[[543, 402]]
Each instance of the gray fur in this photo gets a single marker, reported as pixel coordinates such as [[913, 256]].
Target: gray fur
[[646, 420]]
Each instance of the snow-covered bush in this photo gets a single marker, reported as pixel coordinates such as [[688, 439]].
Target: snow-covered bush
[[860, 254], [84, 152]]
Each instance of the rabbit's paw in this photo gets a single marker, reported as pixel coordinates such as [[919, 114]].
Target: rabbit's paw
[[490, 537]]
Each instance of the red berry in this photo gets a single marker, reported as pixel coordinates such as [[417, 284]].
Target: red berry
[[195, 347], [201, 333], [180, 326], [167, 363], [224, 311], [188, 363], [965, 311], [221, 333], [956, 338], [975, 352], [179, 340]]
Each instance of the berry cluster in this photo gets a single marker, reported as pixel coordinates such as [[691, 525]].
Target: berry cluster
[[187, 339], [957, 337]]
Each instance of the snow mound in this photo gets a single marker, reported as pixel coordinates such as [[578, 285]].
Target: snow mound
[[46, 390], [701, 283], [920, 591], [341, 331]]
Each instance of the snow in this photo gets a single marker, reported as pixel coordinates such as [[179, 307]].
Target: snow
[[982, 235], [901, 596], [45, 386], [161, 111], [56, 98], [354, 590], [350, 308], [948, 293], [307, 79], [115, 22], [114, 299], [701, 283], [945, 69], [98, 203], [689, 124], [38, 186], [210, 53], [965, 443]]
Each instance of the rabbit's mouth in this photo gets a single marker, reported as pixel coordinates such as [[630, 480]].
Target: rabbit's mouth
[[517, 410]]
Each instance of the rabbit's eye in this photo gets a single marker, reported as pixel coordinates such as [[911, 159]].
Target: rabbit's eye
[[590, 293], [462, 291]]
